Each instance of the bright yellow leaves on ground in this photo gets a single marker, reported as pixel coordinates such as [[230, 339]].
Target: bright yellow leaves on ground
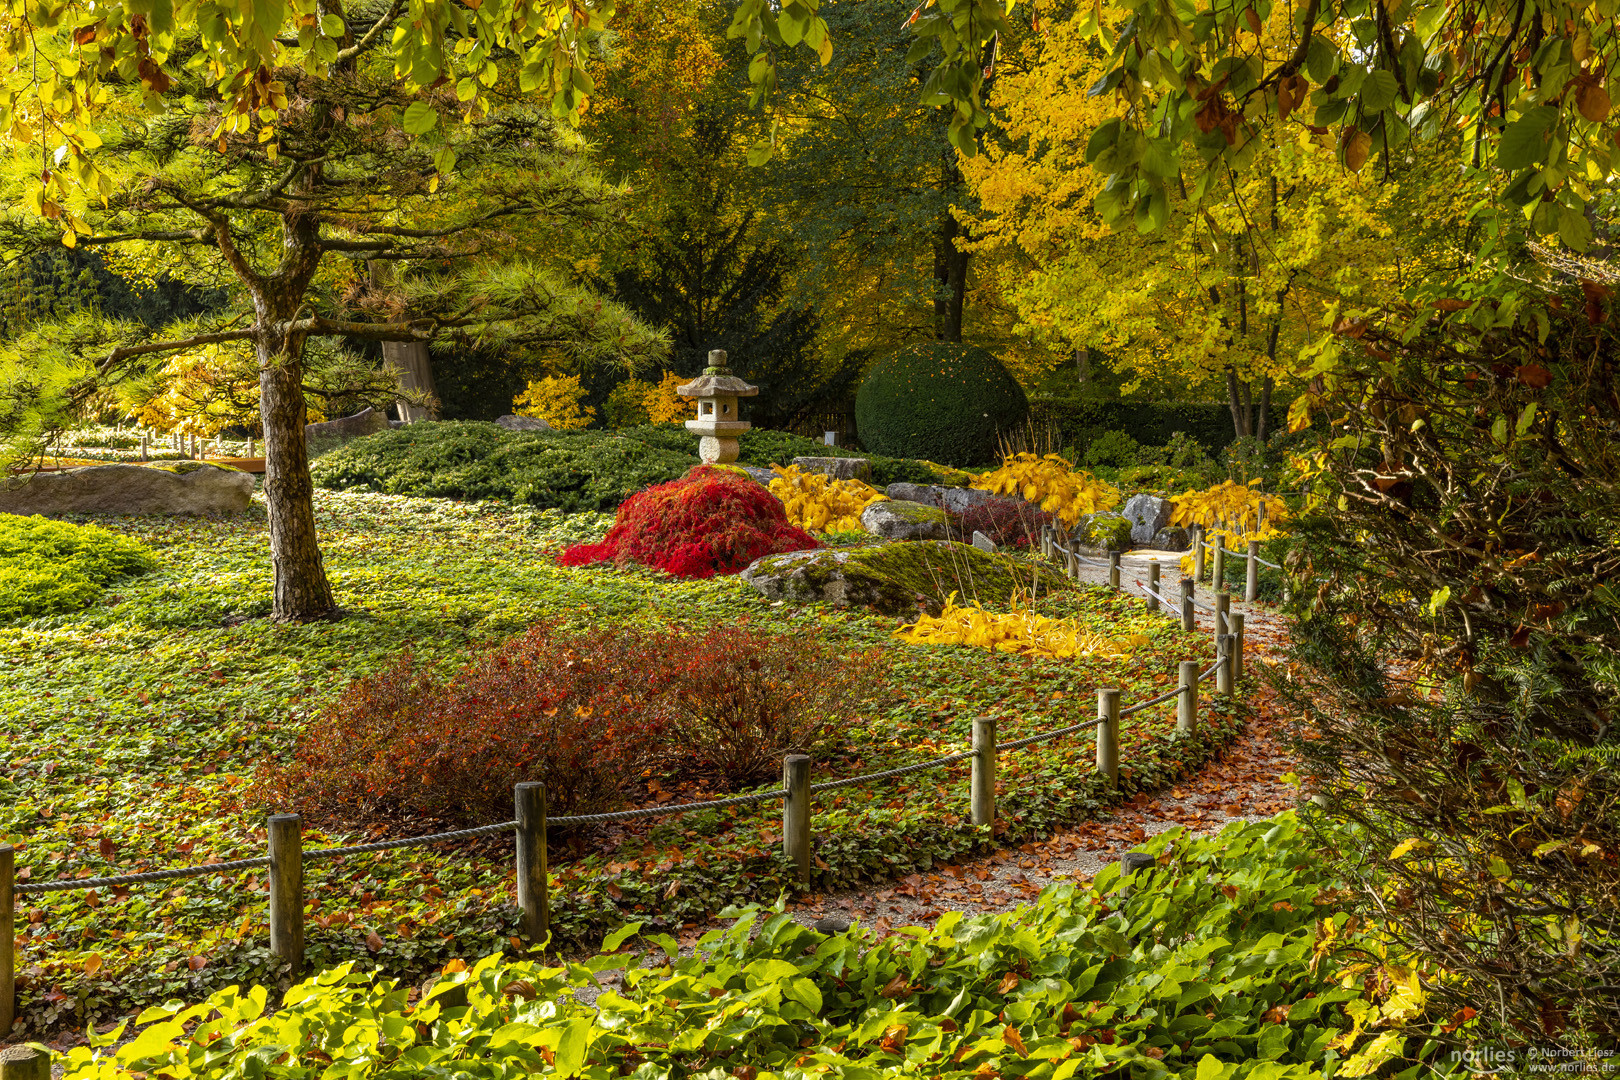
[[1053, 483], [819, 503], [1019, 631]]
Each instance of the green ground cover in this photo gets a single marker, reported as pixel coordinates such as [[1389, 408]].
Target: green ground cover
[[133, 728]]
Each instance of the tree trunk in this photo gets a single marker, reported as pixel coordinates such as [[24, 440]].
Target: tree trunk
[[1262, 426], [302, 592], [411, 358], [1236, 401], [950, 274]]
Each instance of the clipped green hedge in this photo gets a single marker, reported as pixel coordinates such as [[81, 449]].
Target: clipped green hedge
[[51, 567], [1206, 968], [1150, 423], [938, 401], [566, 470]]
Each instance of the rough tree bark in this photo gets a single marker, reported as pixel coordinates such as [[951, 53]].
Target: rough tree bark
[[950, 275]]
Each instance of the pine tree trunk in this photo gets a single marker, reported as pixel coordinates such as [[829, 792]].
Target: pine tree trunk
[[302, 592]]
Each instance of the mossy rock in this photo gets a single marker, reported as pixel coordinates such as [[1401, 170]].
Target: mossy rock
[[899, 578], [1110, 532], [896, 519]]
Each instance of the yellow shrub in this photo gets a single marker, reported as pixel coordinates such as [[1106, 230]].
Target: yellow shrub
[[1019, 631], [206, 390], [818, 502], [556, 400], [664, 405], [1053, 483], [1229, 513]]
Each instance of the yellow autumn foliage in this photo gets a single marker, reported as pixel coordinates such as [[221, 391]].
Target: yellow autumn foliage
[[556, 400], [1018, 631], [1229, 514], [819, 503], [664, 405], [1053, 483]]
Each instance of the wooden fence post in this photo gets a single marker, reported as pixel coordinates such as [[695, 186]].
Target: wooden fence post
[[1251, 573], [1187, 703], [1108, 734], [8, 937], [983, 792], [145, 449], [1236, 619], [1198, 553], [1113, 570], [796, 814], [1153, 585], [1189, 618], [287, 890], [1223, 608], [533, 884], [1223, 665], [1072, 563], [24, 1063], [1218, 574]]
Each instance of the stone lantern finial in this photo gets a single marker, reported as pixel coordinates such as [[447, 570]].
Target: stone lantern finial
[[718, 421]]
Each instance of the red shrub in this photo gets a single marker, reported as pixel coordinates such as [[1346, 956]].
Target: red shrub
[[1008, 522], [711, 521], [739, 700], [568, 710]]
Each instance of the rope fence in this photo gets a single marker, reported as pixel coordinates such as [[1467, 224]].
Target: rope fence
[[1205, 553], [287, 857]]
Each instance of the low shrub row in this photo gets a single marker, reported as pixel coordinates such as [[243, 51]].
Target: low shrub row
[[567, 470], [591, 714]]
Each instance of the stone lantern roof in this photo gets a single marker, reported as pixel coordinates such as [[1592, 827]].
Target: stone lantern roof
[[716, 381]]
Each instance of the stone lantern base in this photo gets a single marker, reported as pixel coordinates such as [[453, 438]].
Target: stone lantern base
[[717, 450]]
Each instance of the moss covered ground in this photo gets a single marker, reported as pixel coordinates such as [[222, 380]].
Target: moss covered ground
[[131, 730]]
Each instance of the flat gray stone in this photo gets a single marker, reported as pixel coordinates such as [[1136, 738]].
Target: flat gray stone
[[839, 468], [367, 421], [1147, 515], [522, 423], [187, 487], [983, 542], [896, 519], [955, 499], [763, 476]]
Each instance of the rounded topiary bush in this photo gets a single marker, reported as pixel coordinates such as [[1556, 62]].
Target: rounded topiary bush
[[938, 401]]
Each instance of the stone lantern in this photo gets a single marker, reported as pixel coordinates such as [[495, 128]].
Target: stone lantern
[[717, 391]]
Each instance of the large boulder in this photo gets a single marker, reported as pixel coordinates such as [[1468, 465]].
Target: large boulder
[[1147, 515], [512, 422], [1172, 538], [898, 579], [839, 468], [186, 487], [1105, 532], [896, 520], [367, 421]]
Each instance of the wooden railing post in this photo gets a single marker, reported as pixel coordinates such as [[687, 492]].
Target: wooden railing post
[[796, 814], [1072, 560], [1187, 703], [1198, 553], [8, 937], [1223, 665], [1223, 608], [1251, 573], [1108, 734], [983, 792], [533, 860], [1236, 619], [1153, 585], [1189, 618], [24, 1063], [287, 890], [1218, 574], [1113, 570]]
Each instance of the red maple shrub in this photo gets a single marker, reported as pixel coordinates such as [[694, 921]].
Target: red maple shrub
[[711, 521]]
